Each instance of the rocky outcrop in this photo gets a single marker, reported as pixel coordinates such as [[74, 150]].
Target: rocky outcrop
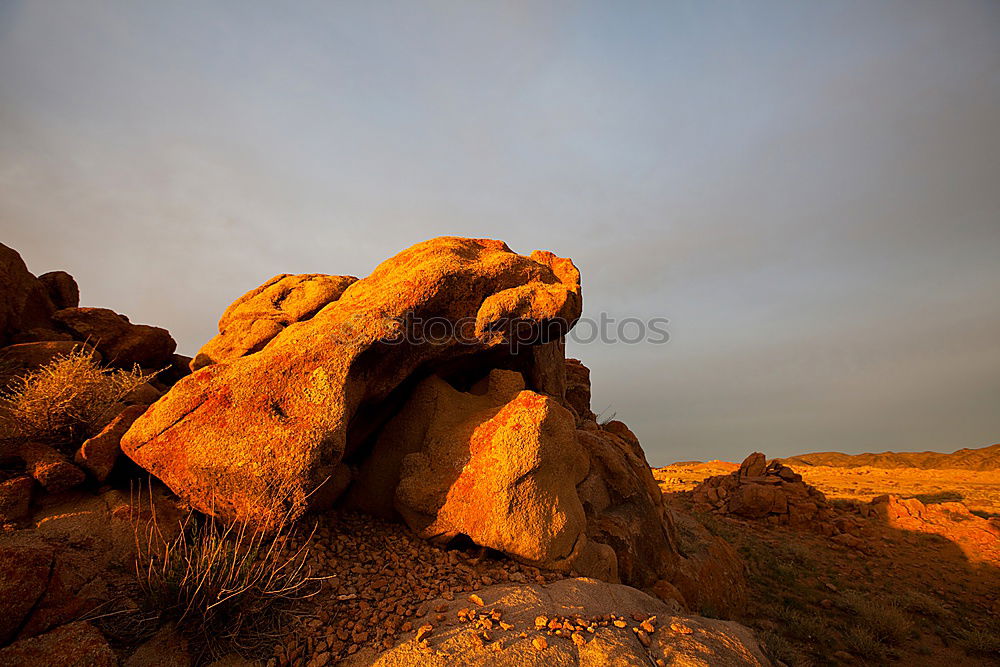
[[758, 490], [15, 498], [711, 576], [98, 455], [567, 622], [507, 467], [120, 342], [499, 464], [236, 436], [251, 321], [437, 391], [978, 538], [24, 301], [61, 288], [74, 645], [43, 311], [68, 556]]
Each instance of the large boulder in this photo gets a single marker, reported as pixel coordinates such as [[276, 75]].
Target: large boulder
[[505, 467], [120, 342], [74, 645], [61, 288], [250, 437], [624, 506], [24, 301], [255, 318], [98, 455], [79, 549], [567, 622], [499, 464]]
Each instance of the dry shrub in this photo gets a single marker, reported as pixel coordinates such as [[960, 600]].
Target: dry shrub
[[982, 642], [66, 401], [229, 588], [778, 648], [862, 642], [916, 602], [882, 617]]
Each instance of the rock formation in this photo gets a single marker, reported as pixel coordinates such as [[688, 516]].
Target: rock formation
[[120, 342], [569, 622], [251, 321], [436, 390], [44, 311], [758, 490], [40, 322], [235, 434], [24, 300], [979, 538]]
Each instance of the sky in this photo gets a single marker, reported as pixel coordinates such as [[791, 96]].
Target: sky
[[809, 192]]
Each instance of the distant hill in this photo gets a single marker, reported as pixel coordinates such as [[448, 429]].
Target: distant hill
[[984, 458]]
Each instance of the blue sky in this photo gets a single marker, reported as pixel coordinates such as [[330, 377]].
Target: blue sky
[[808, 191]]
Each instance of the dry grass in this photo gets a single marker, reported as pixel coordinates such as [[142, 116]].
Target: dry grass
[[881, 616], [982, 642], [916, 602], [229, 588], [64, 402], [862, 642], [776, 648]]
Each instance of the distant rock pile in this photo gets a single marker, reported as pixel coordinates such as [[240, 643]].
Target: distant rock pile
[[759, 490]]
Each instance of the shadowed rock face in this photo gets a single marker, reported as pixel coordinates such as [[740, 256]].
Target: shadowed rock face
[[499, 464], [120, 342], [235, 437], [24, 301]]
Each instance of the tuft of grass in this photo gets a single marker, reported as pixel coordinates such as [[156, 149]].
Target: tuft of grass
[[862, 642], [66, 401], [980, 642], [777, 648], [881, 616], [806, 626], [916, 602], [229, 588]]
